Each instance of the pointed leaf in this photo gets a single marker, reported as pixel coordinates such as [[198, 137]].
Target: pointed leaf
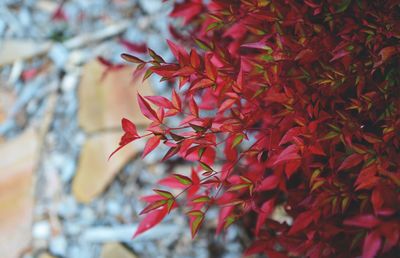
[[132, 59], [146, 109], [151, 144], [372, 243], [351, 161], [151, 220]]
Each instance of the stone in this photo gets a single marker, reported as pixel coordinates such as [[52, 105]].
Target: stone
[[124, 233], [58, 245], [95, 171], [7, 100], [151, 7], [46, 255], [12, 50], [17, 165], [105, 98], [116, 250], [41, 230]]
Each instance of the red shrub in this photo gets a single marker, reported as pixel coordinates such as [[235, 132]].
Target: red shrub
[[291, 104]]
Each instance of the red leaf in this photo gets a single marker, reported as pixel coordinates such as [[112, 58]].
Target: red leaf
[[176, 101], [195, 183], [196, 219], [372, 243], [176, 181], [151, 144], [194, 109], [351, 161], [152, 198], [153, 206], [129, 127], [178, 51], [363, 221], [171, 152], [301, 222], [268, 183], [146, 109], [339, 54], [386, 53], [166, 71], [292, 132], [138, 48], [291, 167], [211, 70], [187, 11], [194, 59], [226, 104], [223, 214], [201, 84], [151, 220], [132, 59], [129, 135], [160, 101], [377, 199], [266, 210], [290, 153]]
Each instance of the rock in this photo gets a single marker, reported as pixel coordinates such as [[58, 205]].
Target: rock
[[59, 55], [152, 6], [67, 208], [115, 250], [41, 230], [47, 6], [58, 245], [124, 233], [17, 166], [95, 171], [279, 214], [46, 255], [106, 98], [14, 50], [7, 99]]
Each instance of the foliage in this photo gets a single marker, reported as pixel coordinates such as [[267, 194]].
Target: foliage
[[291, 104]]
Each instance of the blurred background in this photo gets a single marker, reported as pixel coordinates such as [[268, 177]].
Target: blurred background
[[63, 92]]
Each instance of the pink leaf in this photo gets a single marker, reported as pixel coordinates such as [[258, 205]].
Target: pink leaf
[[146, 109], [372, 243], [151, 144], [295, 131], [363, 221], [129, 135], [151, 220], [266, 210], [351, 161], [301, 222], [176, 101], [268, 183], [290, 153], [160, 101], [129, 127], [178, 51]]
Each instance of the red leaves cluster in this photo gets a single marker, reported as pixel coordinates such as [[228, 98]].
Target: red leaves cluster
[[301, 101]]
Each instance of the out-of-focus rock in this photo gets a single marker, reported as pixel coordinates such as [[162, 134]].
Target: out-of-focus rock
[[46, 255], [123, 233], [108, 96], [17, 164], [7, 100], [95, 171], [115, 250], [58, 245], [41, 230], [14, 50], [47, 6]]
